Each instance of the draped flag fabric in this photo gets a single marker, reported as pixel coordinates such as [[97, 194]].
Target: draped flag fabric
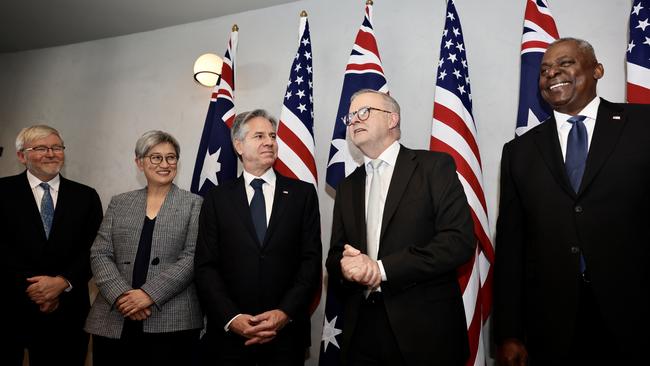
[[453, 131], [296, 126], [216, 161], [364, 71], [539, 32], [638, 54]]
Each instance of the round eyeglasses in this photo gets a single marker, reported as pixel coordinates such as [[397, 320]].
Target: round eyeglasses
[[362, 114]]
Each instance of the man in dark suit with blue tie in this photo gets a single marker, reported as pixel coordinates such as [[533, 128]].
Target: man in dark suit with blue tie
[[258, 256], [572, 248], [47, 225]]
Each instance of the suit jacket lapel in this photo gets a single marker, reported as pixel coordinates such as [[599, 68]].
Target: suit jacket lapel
[[358, 186], [240, 203], [548, 143], [404, 167], [280, 197], [607, 131]]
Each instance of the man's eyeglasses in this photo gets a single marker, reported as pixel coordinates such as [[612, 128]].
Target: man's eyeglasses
[[56, 149], [157, 159], [362, 114]]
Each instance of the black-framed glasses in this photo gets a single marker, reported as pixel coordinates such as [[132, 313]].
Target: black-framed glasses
[[362, 114], [56, 149], [157, 159]]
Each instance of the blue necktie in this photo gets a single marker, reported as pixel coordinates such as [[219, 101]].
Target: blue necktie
[[47, 209], [576, 151], [258, 209]]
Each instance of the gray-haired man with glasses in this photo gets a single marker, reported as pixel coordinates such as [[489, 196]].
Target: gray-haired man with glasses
[[401, 228], [47, 225]]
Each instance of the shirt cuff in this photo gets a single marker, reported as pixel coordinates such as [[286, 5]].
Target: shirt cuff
[[227, 327], [382, 270], [69, 288]]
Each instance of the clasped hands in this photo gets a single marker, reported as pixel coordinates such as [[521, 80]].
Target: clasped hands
[[358, 267], [45, 291], [261, 328], [134, 304]]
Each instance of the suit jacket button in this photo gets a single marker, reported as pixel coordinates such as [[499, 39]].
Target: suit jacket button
[[578, 209], [155, 261], [575, 250]]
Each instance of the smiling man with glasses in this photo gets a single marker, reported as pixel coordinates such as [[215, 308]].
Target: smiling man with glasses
[[47, 224], [401, 228]]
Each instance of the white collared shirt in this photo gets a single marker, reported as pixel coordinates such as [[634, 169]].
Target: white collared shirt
[[563, 127], [268, 188], [388, 158], [38, 191]]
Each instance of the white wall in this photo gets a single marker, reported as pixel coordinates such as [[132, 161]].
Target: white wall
[[102, 95]]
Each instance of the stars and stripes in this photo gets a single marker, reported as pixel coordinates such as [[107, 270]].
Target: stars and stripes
[[454, 132], [364, 71], [638, 54], [296, 126], [539, 32], [216, 161]]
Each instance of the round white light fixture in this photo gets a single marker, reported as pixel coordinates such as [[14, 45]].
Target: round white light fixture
[[207, 69]]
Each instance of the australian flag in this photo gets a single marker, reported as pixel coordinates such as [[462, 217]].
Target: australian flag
[[539, 32], [364, 71], [216, 161]]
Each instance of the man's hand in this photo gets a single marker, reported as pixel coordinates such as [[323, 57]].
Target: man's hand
[[242, 325], [43, 289], [265, 326], [512, 353], [134, 301], [49, 306], [358, 267]]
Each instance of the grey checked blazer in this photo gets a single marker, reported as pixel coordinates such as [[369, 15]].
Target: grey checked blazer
[[171, 270]]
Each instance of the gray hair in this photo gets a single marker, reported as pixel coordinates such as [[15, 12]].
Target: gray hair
[[583, 46], [152, 138], [390, 102], [33, 133], [239, 130]]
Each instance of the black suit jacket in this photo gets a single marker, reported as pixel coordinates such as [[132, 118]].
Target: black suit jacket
[[426, 234], [543, 227], [235, 274], [26, 252]]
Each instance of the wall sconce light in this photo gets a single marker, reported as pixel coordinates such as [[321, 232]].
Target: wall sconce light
[[207, 69]]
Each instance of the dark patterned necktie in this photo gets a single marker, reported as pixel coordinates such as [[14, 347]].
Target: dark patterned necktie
[[258, 209], [47, 209]]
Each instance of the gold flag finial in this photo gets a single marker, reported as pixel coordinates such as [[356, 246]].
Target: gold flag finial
[[235, 28], [368, 2], [303, 14]]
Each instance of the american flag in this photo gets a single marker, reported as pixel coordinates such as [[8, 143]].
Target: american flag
[[363, 71], [539, 31], [216, 161], [638, 54], [296, 127], [453, 131]]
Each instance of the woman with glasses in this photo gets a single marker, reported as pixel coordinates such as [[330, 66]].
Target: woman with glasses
[[147, 311]]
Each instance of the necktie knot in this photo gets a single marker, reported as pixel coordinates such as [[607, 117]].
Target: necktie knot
[[575, 119], [257, 183], [45, 186], [375, 164]]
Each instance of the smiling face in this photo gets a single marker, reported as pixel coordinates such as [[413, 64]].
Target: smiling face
[[373, 135], [162, 174], [568, 77], [259, 148], [43, 166]]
